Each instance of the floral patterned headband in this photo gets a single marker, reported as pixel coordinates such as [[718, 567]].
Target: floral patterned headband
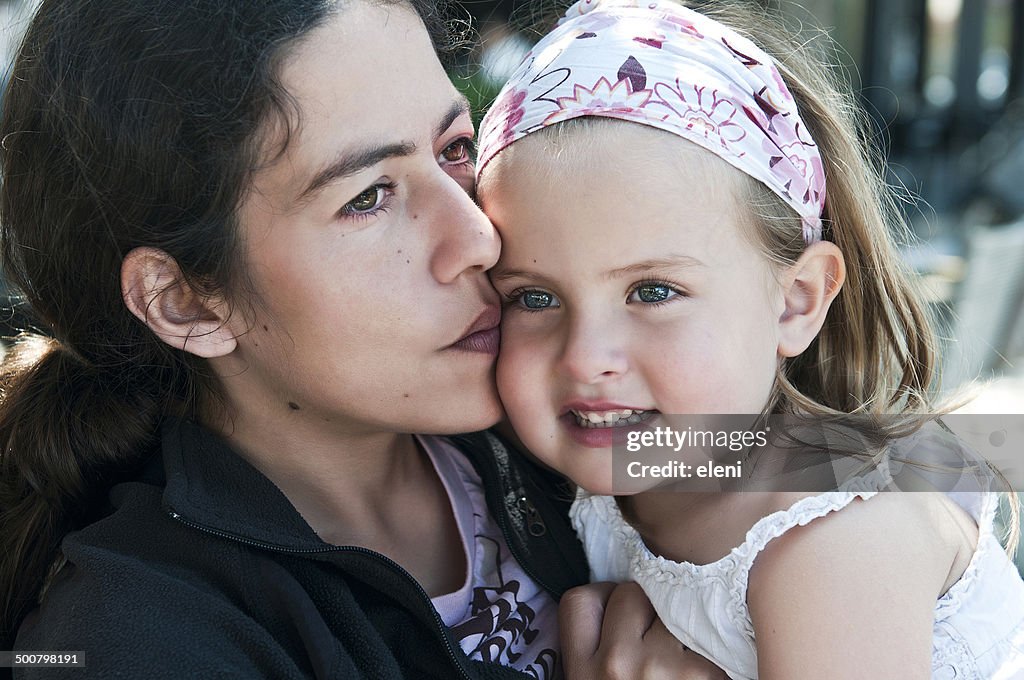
[[664, 65]]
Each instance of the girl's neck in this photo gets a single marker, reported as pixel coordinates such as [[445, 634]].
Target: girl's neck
[[666, 520]]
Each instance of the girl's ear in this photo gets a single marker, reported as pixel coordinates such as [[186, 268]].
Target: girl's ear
[[809, 287], [155, 291]]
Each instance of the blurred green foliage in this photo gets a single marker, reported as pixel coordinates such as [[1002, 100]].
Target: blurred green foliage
[[480, 92]]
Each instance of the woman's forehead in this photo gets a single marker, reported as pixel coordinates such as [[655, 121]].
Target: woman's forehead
[[365, 84]]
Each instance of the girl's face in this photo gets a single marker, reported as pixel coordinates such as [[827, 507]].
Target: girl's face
[[364, 247], [629, 286]]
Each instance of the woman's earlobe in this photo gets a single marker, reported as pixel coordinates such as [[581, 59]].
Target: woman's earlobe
[[810, 286], [155, 291]]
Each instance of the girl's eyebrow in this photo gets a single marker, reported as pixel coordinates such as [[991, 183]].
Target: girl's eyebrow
[[667, 262], [498, 274], [654, 264]]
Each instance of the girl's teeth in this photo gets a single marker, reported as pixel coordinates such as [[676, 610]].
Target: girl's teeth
[[621, 418]]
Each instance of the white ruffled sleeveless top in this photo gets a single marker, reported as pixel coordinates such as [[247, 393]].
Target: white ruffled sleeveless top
[[979, 622]]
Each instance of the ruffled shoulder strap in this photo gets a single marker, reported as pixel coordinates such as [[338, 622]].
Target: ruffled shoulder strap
[[769, 528], [800, 514]]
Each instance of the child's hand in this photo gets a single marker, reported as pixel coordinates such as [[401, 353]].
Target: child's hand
[[610, 632]]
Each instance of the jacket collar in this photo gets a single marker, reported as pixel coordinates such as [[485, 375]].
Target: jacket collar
[[213, 488]]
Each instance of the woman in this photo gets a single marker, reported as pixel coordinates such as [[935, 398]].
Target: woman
[[248, 228]]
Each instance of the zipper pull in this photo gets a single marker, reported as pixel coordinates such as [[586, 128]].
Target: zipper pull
[[534, 522]]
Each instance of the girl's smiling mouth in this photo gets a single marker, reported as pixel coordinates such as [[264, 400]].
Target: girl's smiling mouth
[[620, 418]]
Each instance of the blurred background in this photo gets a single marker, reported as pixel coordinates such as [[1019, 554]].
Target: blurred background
[[943, 83]]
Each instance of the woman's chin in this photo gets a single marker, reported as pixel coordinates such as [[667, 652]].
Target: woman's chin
[[464, 415]]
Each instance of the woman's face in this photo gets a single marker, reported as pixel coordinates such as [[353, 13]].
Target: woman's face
[[365, 249]]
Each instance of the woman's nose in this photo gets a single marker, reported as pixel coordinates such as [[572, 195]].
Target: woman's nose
[[469, 240]]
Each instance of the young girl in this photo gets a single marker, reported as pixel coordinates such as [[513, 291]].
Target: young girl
[[693, 226]]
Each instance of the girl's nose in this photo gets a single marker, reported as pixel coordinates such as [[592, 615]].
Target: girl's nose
[[593, 354]]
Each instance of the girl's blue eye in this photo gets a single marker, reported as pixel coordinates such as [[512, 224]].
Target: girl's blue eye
[[537, 299], [652, 293]]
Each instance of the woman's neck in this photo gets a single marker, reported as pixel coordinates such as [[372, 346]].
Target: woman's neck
[[334, 473], [377, 490]]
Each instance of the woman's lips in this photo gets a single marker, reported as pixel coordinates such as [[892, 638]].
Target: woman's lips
[[483, 335], [486, 342]]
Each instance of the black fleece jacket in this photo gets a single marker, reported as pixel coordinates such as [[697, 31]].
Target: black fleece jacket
[[203, 568]]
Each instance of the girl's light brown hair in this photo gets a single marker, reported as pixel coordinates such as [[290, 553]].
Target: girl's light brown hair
[[877, 353]]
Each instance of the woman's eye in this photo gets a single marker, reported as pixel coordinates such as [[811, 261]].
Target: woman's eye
[[368, 201], [652, 293], [459, 151], [537, 299]]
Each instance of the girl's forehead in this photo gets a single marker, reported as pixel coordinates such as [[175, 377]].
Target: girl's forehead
[[636, 161], [602, 198]]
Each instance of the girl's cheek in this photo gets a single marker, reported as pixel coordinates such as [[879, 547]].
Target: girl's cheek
[[516, 370]]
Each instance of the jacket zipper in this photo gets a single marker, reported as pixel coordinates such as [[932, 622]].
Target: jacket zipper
[[524, 564], [502, 518], [457, 657]]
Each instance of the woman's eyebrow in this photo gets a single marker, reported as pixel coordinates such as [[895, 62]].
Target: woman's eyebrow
[[459, 108], [349, 163]]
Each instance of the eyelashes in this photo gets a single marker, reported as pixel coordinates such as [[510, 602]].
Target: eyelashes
[[532, 299], [371, 201], [654, 293], [460, 152], [376, 199]]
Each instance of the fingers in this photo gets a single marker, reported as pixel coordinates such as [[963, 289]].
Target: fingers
[[581, 612], [627, 617], [668, 658], [602, 627], [628, 612], [611, 632]]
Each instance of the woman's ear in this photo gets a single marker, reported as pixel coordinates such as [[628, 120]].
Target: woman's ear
[[155, 291], [809, 287]]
